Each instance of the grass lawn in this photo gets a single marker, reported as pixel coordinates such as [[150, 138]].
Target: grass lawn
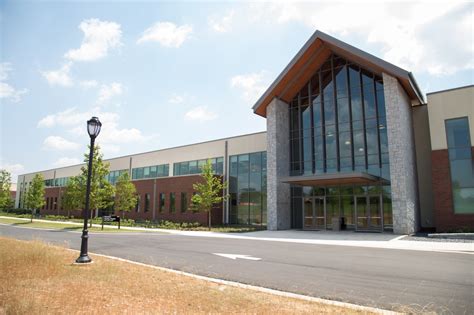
[[38, 278], [63, 226]]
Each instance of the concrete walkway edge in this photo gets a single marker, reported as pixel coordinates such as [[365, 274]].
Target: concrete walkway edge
[[287, 237]]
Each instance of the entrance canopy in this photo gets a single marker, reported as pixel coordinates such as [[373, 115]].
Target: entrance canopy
[[334, 179]]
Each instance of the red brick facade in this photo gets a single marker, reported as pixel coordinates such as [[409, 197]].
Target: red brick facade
[[152, 187], [445, 218]]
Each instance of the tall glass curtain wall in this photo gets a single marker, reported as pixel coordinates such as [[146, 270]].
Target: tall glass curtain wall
[[338, 123], [461, 164], [248, 188]]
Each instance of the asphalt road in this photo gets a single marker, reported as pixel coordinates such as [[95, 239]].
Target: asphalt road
[[386, 278]]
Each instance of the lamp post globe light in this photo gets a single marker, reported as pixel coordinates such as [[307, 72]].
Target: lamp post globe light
[[93, 128]]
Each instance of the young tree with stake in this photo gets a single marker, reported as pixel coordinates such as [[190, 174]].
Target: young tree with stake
[[125, 194], [208, 193], [35, 194]]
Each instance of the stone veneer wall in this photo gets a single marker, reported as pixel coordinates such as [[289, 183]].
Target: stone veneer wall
[[402, 157], [278, 166]]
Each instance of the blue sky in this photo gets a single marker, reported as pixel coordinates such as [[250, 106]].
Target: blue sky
[[162, 74]]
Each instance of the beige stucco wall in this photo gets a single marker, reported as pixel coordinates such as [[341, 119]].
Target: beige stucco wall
[[445, 105], [421, 130], [236, 145]]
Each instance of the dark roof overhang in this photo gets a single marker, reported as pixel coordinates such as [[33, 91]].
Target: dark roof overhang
[[313, 54], [360, 178]]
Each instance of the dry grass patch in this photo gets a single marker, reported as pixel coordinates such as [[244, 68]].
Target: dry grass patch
[[37, 278]]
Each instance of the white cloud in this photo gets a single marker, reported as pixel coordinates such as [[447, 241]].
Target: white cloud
[[7, 91], [201, 114], [69, 117], [66, 161], [222, 24], [111, 135], [438, 41], [87, 84], [167, 34], [14, 169], [107, 91], [176, 99], [59, 77], [99, 38], [59, 144], [252, 85]]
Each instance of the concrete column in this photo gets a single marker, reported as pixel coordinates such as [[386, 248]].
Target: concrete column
[[401, 146], [278, 166]]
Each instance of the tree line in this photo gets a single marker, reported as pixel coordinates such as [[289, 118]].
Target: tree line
[[123, 196]]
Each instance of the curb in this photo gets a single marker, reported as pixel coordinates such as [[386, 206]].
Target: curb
[[253, 287]]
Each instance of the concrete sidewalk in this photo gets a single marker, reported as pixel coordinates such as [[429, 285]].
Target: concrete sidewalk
[[342, 238]]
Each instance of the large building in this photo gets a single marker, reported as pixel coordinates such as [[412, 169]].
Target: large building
[[351, 143]]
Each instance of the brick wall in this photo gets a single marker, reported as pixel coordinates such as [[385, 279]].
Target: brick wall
[[166, 185], [169, 185], [445, 218]]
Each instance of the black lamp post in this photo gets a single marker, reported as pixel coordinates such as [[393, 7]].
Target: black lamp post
[[93, 128]]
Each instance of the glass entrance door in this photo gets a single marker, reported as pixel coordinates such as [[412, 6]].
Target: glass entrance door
[[314, 216], [368, 213]]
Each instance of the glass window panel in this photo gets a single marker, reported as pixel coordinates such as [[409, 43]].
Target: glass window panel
[[306, 116], [463, 199], [369, 101], [193, 167], [172, 202], [345, 144], [307, 149], [457, 131], [460, 153], [372, 141], [367, 78], [319, 166], [343, 110], [184, 202], [315, 85], [295, 122], [184, 168], [146, 172], [304, 91], [359, 143], [220, 165], [344, 127], [346, 164], [341, 82], [356, 104], [462, 174], [381, 103], [383, 140], [317, 116], [318, 148], [329, 113], [331, 166], [354, 77], [330, 145]]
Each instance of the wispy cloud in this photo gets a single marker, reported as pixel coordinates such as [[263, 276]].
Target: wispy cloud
[[59, 77], [66, 161], [7, 91], [252, 85], [107, 91], [201, 114], [99, 38], [222, 24], [59, 143], [167, 34]]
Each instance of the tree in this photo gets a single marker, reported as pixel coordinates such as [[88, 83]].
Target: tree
[[74, 194], [125, 194], [35, 194], [5, 185], [102, 192], [209, 192]]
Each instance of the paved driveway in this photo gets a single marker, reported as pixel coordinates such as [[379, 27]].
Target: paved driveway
[[387, 278]]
